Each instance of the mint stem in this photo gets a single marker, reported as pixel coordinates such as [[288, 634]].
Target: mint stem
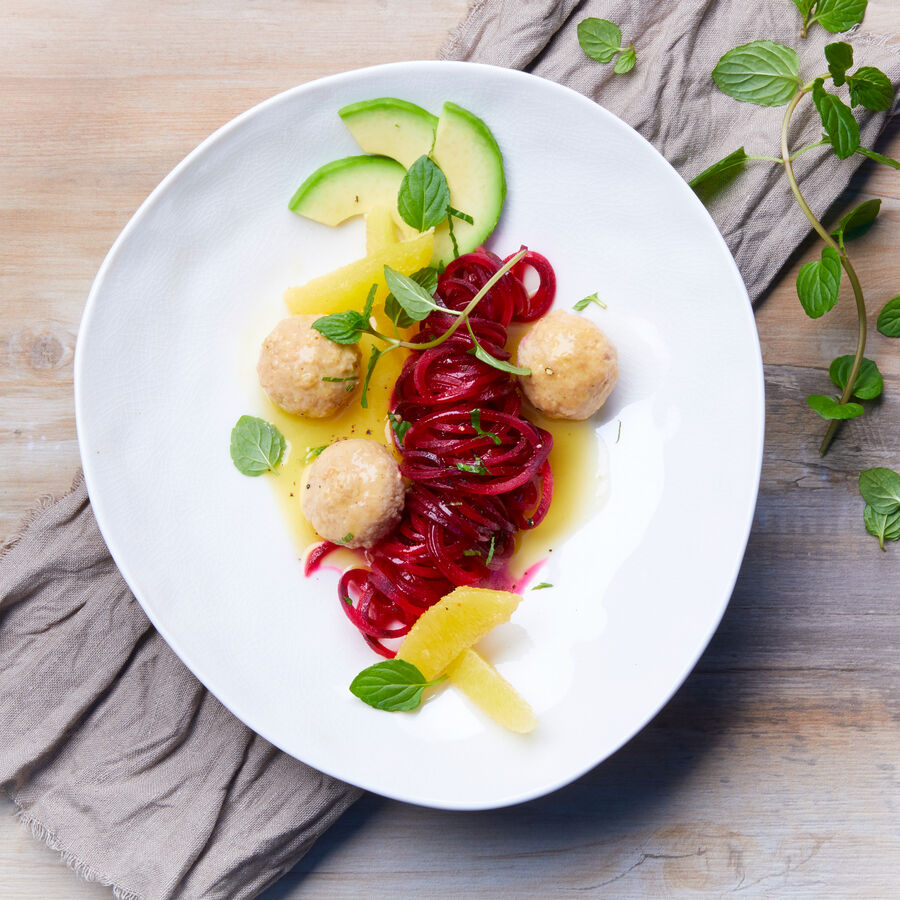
[[787, 159]]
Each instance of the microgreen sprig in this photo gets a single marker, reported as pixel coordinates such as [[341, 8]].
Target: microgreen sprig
[[416, 300]]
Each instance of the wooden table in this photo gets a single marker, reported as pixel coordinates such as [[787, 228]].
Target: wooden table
[[774, 770]]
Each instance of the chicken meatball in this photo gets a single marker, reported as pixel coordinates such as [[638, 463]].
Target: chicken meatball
[[304, 372], [354, 493], [573, 366]]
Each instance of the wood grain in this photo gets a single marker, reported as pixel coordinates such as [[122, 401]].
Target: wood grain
[[773, 771]]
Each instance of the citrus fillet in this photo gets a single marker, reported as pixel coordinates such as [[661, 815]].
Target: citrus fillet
[[379, 230], [452, 625], [347, 287], [491, 692]]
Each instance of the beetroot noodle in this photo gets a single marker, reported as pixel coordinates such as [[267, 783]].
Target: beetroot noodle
[[469, 494]]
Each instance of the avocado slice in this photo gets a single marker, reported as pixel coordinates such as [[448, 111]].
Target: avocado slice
[[469, 157], [349, 187], [391, 127]]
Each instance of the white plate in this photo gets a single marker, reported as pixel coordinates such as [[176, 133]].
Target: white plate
[[165, 365]]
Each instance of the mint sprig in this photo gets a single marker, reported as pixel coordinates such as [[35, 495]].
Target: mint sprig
[[767, 73], [585, 302], [602, 40]]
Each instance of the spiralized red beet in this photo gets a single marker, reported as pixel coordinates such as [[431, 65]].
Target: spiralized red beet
[[469, 493]]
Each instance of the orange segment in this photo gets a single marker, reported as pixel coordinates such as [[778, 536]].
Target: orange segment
[[380, 232], [452, 625], [491, 692], [347, 287]]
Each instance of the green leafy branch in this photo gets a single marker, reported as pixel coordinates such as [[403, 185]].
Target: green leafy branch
[[767, 74]]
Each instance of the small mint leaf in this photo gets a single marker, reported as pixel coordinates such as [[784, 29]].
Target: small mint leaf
[[256, 446], [819, 283], [424, 196], [889, 318], [829, 408], [880, 488], [869, 382]]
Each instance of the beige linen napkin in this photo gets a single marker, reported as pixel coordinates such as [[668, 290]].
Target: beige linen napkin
[[670, 98], [114, 753]]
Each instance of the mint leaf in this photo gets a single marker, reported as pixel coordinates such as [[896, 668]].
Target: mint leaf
[[343, 327], [886, 527], [542, 585], [871, 88], [717, 176], [373, 359], [585, 302], [829, 408], [878, 157], [839, 15], [476, 468], [819, 283], [415, 300], [857, 222], [869, 382], [599, 38], [805, 6], [625, 62], [840, 58], [370, 302], [490, 555], [399, 426], [424, 196], [889, 318], [880, 488], [256, 446], [838, 121], [313, 452], [393, 685], [760, 72], [426, 278], [395, 312], [475, 417], [486, 357]]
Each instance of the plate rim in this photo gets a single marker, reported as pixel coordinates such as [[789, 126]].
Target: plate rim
[[91, 477]]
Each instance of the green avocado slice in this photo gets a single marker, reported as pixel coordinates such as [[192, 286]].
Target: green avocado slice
[[349, 187], [391, 127], [469, 157]]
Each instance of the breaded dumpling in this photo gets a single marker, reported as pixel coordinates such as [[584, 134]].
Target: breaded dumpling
[[573, 366], [354, 493], [294, 363]]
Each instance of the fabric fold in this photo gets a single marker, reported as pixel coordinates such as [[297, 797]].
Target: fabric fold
[[115, 754]]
